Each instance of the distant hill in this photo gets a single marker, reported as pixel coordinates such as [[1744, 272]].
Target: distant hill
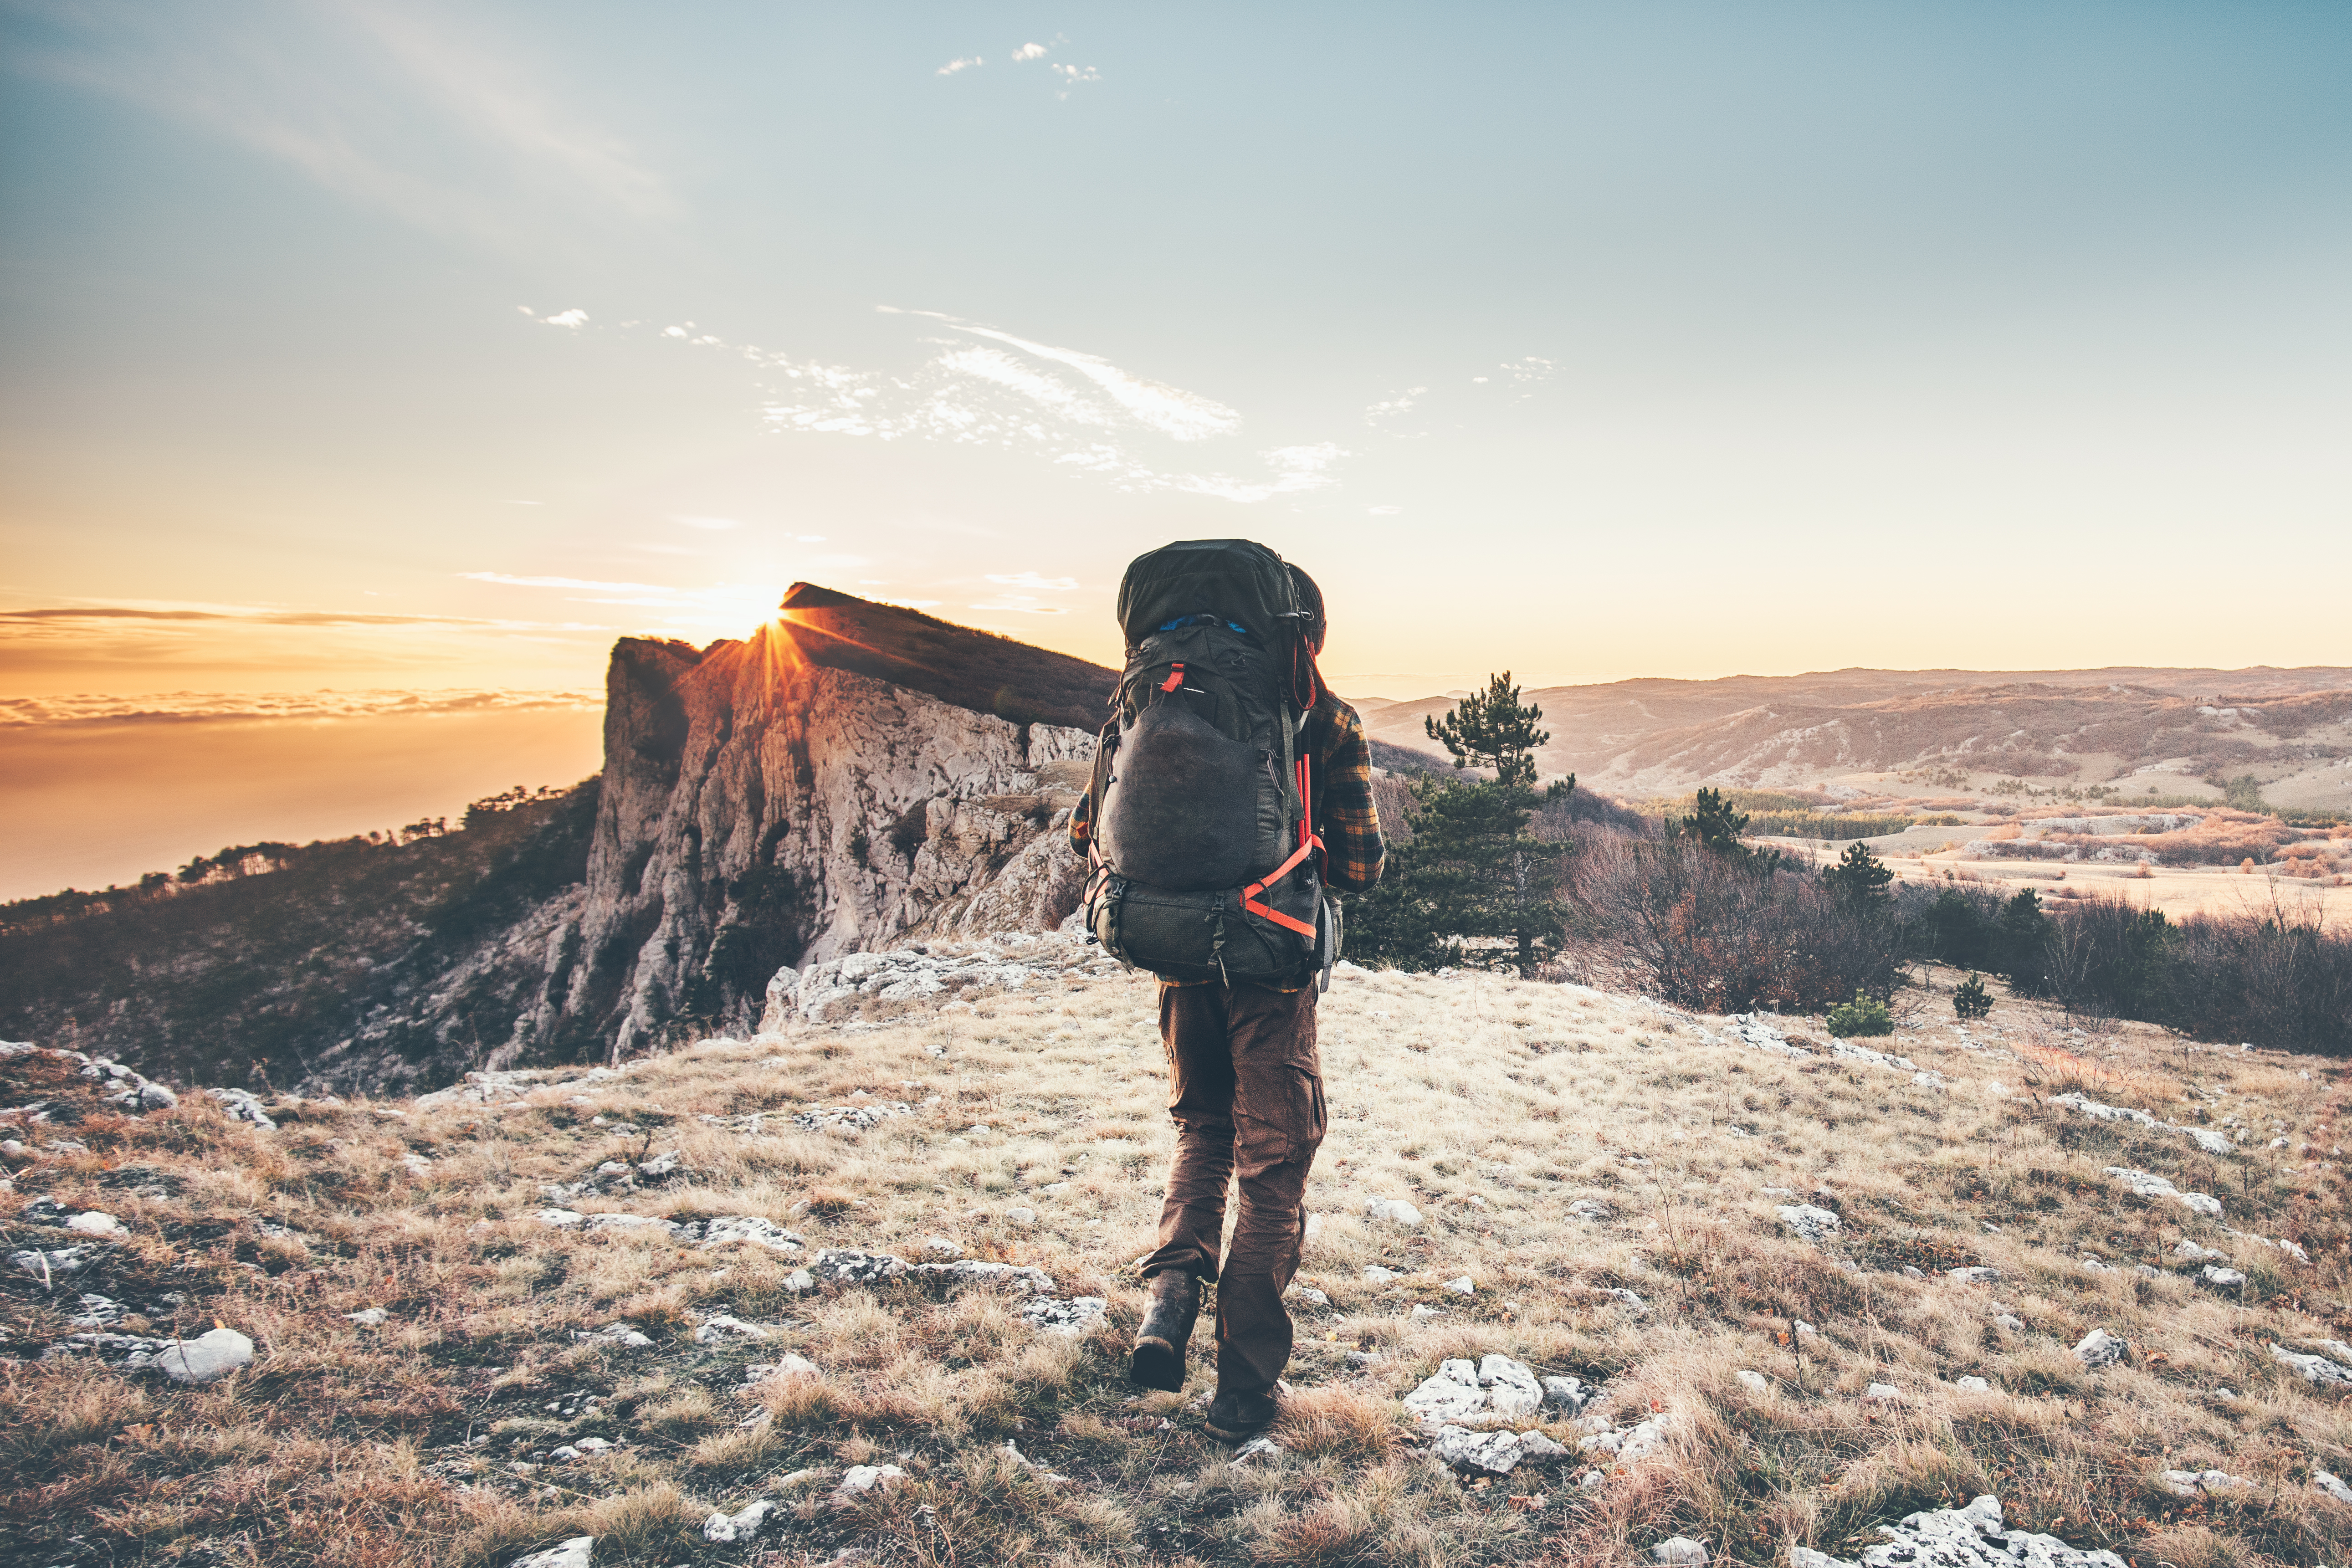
[[2289, 728]]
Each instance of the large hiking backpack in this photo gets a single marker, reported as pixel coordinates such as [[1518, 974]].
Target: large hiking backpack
[[1204, 860]]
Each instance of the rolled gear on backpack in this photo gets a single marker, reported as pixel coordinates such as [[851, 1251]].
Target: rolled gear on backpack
[[1205, 861]]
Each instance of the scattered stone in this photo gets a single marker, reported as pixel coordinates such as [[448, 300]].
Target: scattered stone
[[1592, 1211], [2010, 1321], [2145, 1186], [2210, 1141], [1496, 1453], [1021, 1214], [586, 1448], [95, 1222], [1017, 1277], [844, 1266], [1630, 1444], [1258, 1449], [577, 1553], [1753, 1382], [206, 1358], [2313, 1369], [2189, 1252], [853, 1118], [744, 1526], [1678, 1549], [1076, 1315], [942, 1247], [734, 1227], [561, 1219], [1567, 1396], [861, 1479], [1882, 1393], [1625, 1298], [2332, 1486], [1807, 1221], [2221, 1279], [1376, 1275], [243, 1105], [1312, 1297], [368, 1318], [1462, 1286], [721, 1328], [1451, 1394], [2194, 1483], [1393, 1209], [1971, 1537], [1973, 1384], [618, 1335], [2100, 1348], [1912, 1271], [1419, 1314]]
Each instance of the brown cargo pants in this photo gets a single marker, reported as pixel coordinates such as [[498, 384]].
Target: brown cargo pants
[[1246, 1090]]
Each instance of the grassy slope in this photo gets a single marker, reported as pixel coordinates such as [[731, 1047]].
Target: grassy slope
[[1493, 1104]]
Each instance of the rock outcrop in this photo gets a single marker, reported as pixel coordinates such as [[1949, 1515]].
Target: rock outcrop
[[761, 812]]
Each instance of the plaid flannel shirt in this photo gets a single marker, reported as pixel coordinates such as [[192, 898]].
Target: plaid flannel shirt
[[1345, 817]]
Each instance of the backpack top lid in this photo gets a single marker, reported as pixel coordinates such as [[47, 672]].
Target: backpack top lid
[[1232, 578]]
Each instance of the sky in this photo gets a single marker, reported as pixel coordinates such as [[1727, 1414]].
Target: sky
[[369, 348]]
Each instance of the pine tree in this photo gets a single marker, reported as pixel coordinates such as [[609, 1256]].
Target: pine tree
[[1491, 729], [1861, 878], [1473, 871], [1717, 826]]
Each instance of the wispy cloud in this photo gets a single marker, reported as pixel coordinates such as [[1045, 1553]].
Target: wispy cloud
[[1030, 52], [952, 67], [1033, 579], [69, 617], [219, 707], [726, 607], [440, 124], [1073, 74], [573, 318]]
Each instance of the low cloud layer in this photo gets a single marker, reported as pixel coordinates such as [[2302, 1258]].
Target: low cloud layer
[[216, 707]]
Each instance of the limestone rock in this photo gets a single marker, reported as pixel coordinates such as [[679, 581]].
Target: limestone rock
[[2313, 1369], [1496, 1453], [863, 1480], [245, 1106], [1972, 1384], [1078, 1315], [1592, 1211], [1977, 1274], [1394, 1210], [2196, 1483], [2145, 1186], [206, 1358], [369, 1318], [1451, 1394], [577, 1553], [1972, 1537], [1568, 1396], [2100, 1348], [720, 1328], [95, 1222], [1754, 1382], [1679, 1550], [845, 1266], [2332, 1485], [2221, 1279], [743, 1526], [753, 1228], [1808, 1221], [1019, 1278], [1465, 1286]]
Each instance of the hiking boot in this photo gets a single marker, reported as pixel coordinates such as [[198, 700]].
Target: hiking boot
[[1238, 1417], [1167, 1327]]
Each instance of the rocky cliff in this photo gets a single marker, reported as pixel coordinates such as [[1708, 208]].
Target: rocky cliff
[[852, 775], [760, 810]]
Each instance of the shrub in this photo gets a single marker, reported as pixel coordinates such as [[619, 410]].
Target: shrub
[[1865, 1015], [1972, 1000]]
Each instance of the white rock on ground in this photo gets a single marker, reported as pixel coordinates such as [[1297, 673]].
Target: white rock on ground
[[748, 1227], [205, 1358], [2333, 1486], [1807, 1221], [1753, 1382], [1970, 1537], [1258, 1449], [2100, 1348], [1394, 1210], [95, 1222], [1976, 1275], [1630, 1445], [2221, 1279], [744, 1526], [2195, 1483], [2145, 1186], [861, 1479], [2315, 1369], [1376, 1275], [2210, 1141], [1972, 1384], [1497, 1453], [577, 1553], [1078, 1315], [1678, 1549], [375, 1317], [1566, 1394], [1465, 1286], [721, 1328], [1495, 1389]]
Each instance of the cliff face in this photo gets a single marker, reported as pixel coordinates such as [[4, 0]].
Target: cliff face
[[760, 810], [763, 802]]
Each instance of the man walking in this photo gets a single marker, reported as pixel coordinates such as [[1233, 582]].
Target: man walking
[[1246, 1091]]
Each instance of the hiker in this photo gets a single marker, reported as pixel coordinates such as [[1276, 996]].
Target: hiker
[[1231, 791]]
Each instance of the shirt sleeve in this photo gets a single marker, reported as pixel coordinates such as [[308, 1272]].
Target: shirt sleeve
[[1345, 817]]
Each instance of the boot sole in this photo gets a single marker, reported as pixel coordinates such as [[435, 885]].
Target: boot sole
[[1236, 1436], [1156, 1363]]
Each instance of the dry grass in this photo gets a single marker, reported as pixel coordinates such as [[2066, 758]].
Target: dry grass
[[1492, 1104]]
